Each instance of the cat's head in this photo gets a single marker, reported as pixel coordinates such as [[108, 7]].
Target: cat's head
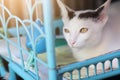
[[84, 28]]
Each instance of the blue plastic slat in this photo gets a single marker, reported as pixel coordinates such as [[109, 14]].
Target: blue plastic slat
[[71, 76], [87, 72], [119, 62], [79, 74], [103, 67], [95, 69], [111, 68]]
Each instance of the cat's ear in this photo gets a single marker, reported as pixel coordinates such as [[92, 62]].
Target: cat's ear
[[103, 9], [66, 12]]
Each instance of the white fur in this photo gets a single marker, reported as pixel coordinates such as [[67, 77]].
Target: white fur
[[102, 36]]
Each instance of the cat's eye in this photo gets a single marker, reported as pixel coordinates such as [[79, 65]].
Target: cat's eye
[[66, 30], [83, 30]]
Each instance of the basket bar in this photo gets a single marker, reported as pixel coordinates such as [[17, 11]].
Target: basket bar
[[50, 38], [102, 58], [19, 44], [15, 67]]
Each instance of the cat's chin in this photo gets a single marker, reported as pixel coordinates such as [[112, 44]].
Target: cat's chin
[[76, 47]]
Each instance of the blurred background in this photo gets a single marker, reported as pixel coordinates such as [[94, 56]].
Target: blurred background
[[19, 8]]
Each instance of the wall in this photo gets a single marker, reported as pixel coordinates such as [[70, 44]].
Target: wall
[[19, 8]]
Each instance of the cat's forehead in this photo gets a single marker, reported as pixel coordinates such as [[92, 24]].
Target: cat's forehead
[[79, 23], [84, 18], [88, 13]]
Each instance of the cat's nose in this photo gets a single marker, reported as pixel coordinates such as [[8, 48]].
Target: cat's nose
[[73, 42]]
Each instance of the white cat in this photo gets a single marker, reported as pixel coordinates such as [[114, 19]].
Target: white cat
[[91, 33]]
